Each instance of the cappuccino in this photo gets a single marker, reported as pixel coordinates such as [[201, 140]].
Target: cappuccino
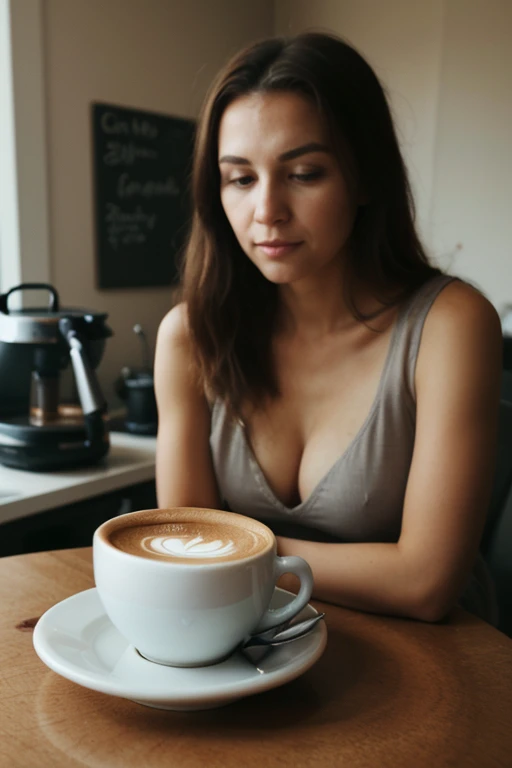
[[193, 542], [186, 585]]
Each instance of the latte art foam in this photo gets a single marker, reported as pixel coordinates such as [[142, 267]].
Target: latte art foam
[[193, 542], [191, 547]]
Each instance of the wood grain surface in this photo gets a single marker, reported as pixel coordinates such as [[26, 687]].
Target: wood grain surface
[[386, 692]]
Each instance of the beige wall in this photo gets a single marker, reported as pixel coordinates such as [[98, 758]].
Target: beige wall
[[148, 54], [447, 66], [401, 39]]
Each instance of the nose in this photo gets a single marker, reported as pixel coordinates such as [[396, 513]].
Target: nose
[[271, 206]]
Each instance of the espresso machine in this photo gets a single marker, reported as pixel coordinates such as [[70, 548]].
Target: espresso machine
[[37, 431]]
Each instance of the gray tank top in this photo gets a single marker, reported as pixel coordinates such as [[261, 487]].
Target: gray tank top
[[361, 497]]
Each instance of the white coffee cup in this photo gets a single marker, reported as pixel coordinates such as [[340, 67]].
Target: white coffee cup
[[185, 585]]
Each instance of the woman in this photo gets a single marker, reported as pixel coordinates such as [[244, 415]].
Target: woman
[[319, 373]]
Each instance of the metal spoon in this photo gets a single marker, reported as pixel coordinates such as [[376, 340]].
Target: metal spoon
[[256, 647], [287, 635]]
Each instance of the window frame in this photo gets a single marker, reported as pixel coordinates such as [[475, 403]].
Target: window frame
[[24, 204]]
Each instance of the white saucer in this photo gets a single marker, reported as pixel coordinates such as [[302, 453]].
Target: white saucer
[[77, 640]]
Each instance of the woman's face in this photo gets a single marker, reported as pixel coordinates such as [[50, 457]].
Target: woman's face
[[282, 188]]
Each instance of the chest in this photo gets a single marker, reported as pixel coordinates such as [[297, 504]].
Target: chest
[[327, 391]]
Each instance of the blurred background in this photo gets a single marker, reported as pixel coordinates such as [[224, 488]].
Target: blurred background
[[446, 65]]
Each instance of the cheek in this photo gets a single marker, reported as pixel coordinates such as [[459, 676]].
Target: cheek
[[235, 214], [337, 219]]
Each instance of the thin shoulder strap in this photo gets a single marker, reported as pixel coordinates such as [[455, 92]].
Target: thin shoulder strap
[[410, 324]]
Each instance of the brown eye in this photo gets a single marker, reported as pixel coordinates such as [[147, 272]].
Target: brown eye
[[242, 181], [311, 176]]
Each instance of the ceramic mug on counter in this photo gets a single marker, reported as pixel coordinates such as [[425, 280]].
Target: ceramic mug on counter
[[186, 585]]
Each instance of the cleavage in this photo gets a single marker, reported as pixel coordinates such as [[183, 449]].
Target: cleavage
[[300, 436]]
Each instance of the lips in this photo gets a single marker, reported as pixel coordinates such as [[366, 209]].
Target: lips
[[277, 247]]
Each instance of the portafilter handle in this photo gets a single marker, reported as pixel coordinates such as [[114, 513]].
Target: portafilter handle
[[89, 392], [91, 397]]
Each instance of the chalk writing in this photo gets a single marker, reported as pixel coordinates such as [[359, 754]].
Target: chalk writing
[[127, 154], [127, 187], [128, 227]]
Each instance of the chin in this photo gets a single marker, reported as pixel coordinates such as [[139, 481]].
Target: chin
[[282, 274], [280, 277]]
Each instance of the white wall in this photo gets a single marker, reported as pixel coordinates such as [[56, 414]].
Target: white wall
[[472, 187], [148, 54], [447, 66]]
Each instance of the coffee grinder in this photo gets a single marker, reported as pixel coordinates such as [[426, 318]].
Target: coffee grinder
[[47, 435]]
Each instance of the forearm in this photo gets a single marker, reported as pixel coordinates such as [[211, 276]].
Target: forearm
[[373, 577]]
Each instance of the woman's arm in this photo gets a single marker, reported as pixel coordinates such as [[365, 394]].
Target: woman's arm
[[184, 470], [367, 577], [448, 490]]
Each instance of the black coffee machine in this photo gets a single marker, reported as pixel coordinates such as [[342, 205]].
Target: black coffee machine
[[37, 432]]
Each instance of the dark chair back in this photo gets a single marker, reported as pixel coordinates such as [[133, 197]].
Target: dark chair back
[[497, 539]]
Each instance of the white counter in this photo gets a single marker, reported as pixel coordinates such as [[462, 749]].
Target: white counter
[[131, 460]]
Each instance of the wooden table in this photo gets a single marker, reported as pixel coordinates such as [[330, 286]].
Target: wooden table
[[386, 692]]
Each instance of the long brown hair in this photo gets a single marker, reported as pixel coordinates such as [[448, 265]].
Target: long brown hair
[[231, 307]]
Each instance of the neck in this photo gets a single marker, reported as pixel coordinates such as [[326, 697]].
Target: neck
[[315, 306]]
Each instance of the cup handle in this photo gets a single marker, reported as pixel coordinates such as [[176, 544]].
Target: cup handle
[[274, 616]]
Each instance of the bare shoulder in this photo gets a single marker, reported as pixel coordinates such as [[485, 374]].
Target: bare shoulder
[[174, 341], [174, 330], [461, 308], [175, 362], [462, 335]]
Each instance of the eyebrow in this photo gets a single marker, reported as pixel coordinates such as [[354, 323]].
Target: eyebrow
[[291, 154]]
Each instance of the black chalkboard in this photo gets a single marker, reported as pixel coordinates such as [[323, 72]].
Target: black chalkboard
[[142, 163]]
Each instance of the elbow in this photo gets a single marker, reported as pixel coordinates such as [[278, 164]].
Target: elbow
[[432, 606], [431, 591], [430, 613]]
